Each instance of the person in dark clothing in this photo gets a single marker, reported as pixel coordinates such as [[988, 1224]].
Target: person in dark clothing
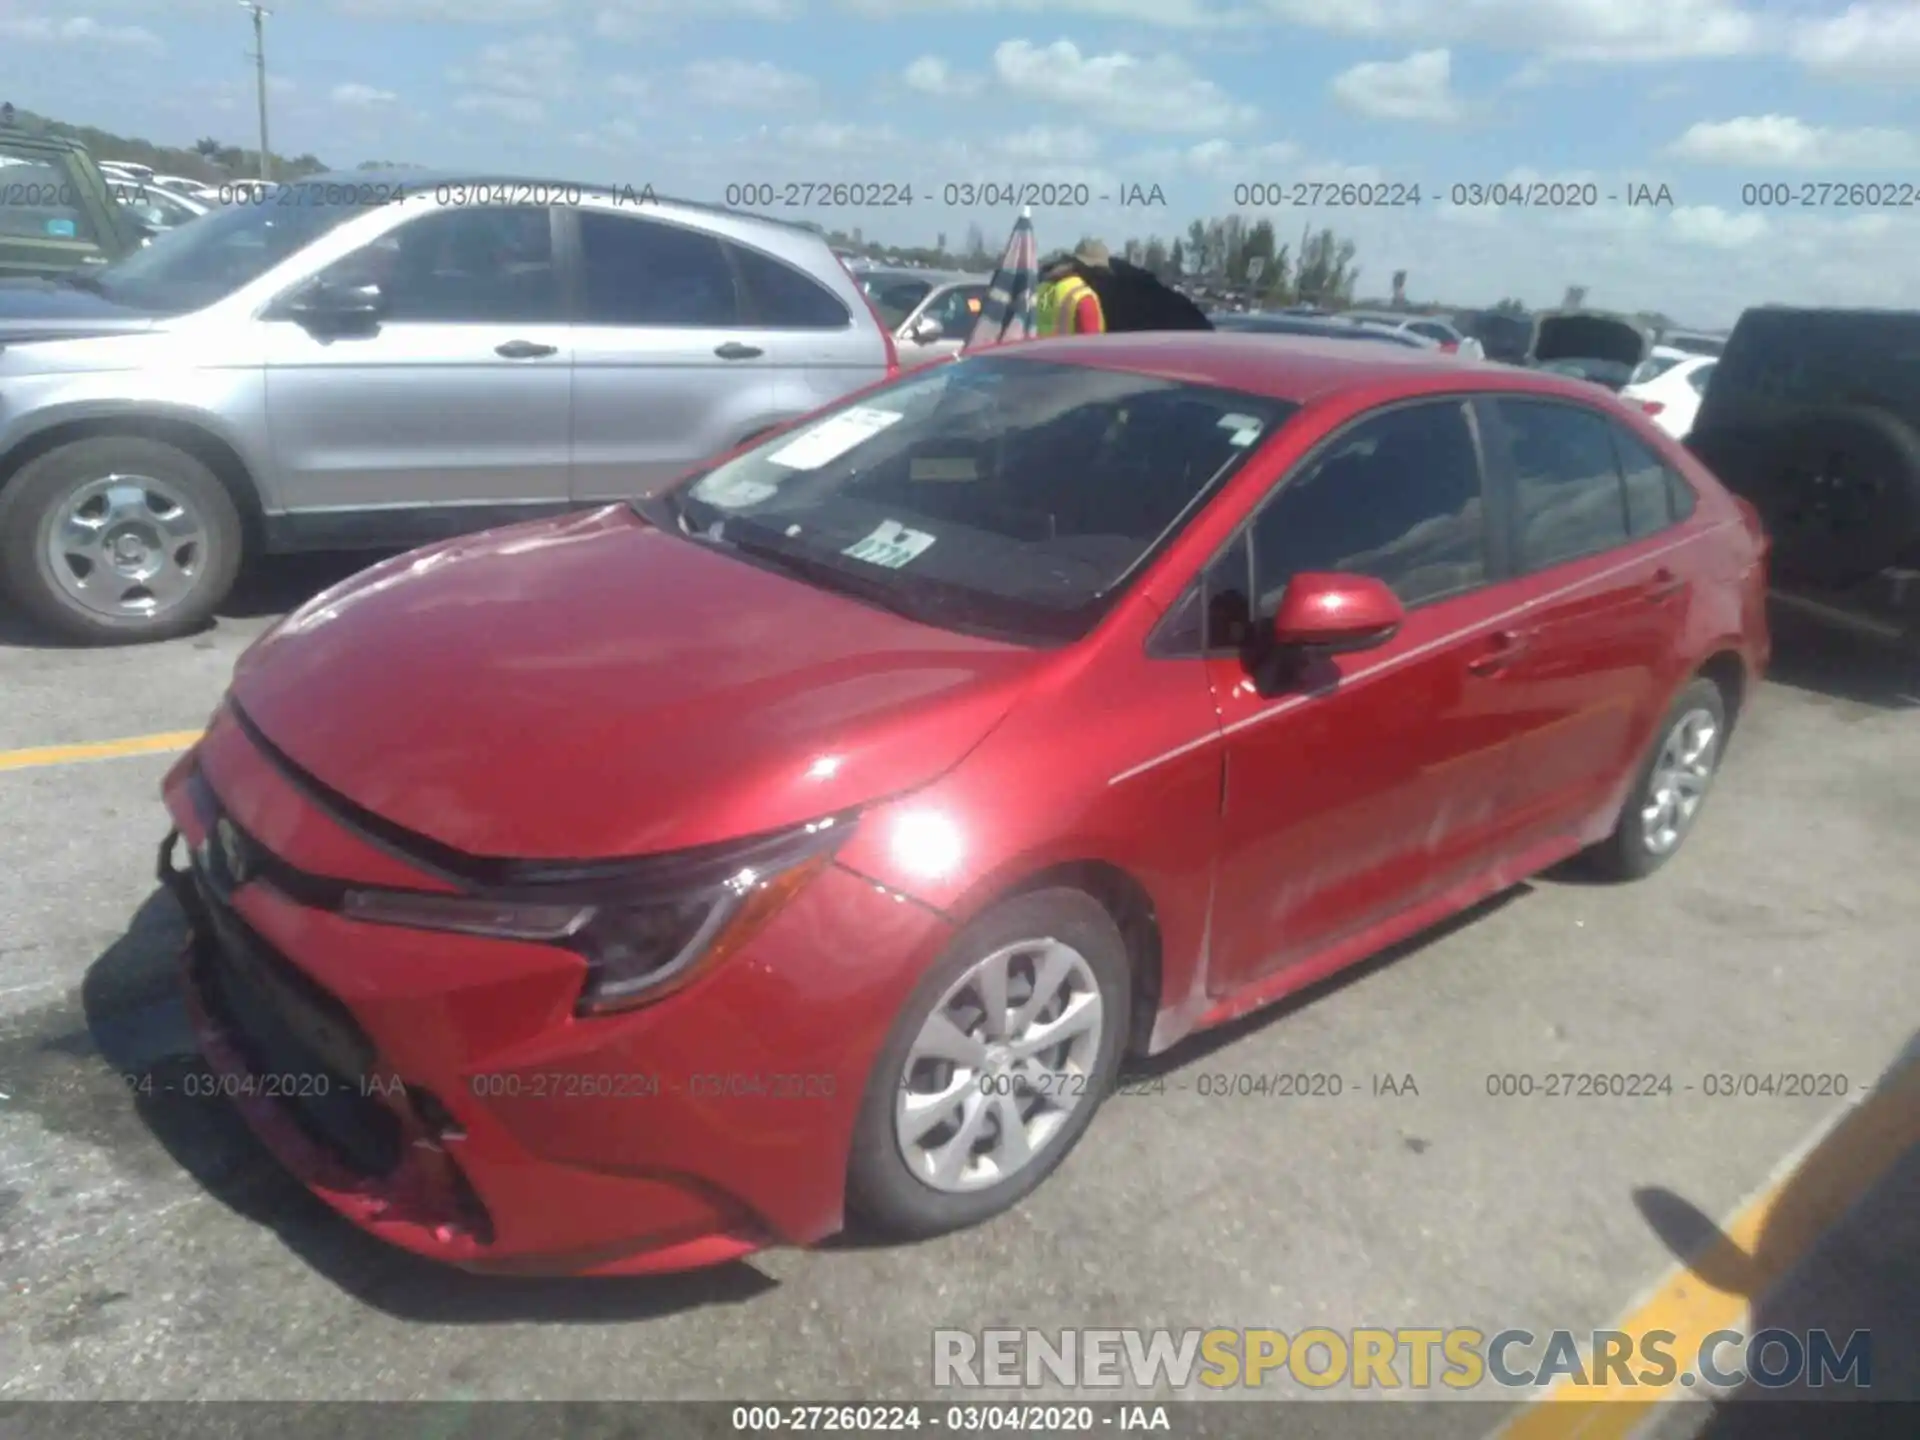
[[1091, 292]]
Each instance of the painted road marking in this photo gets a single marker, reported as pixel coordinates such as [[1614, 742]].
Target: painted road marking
[[42, 755], [1761, 1244]]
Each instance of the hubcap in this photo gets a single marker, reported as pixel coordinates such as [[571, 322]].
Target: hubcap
[[1680, 779], [126, 546], [1003, 1059]]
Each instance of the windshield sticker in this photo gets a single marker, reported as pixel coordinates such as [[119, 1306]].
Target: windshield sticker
[[892, 545], [958, 467], [734, 494], [1238, 422], [1244, 438], [833, 438], [65, 229]]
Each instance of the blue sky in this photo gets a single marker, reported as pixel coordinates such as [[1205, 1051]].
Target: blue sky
[[1703, 97]]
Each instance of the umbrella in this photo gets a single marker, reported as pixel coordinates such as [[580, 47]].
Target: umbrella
[[1008, 312]]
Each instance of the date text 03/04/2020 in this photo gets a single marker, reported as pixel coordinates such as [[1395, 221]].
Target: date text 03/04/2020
[[1647, 1085], [1459, 195], [1007, 1419]]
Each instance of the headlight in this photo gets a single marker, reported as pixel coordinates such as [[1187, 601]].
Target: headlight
[[645, 928]]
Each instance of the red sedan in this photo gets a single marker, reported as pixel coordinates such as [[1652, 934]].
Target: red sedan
[[628, 891]]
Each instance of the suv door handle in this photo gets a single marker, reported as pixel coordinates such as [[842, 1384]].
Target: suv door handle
[[1664, 585], [1507, 647], [524, 350], [734, 350]]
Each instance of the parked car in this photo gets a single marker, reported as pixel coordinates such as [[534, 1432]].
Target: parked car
[[1813, 418], [1671, 393], [1694, 342], [333, 372], [1592, 345], [155, 208], [1325, 327], [57, 211], [1428, 327], [939, 325], [780, 784], [1503, 336]]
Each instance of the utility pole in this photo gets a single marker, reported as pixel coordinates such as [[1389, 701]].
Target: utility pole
[[259, 57]]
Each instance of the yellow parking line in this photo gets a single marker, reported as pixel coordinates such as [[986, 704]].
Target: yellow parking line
[[1759, 1245], [40, 755]]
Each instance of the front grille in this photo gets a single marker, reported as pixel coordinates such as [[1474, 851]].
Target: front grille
[[313, 1055]]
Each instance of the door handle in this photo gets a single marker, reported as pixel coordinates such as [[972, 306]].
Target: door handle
[[1508, 646], [1664, 585], [524, 350], [734, 350]]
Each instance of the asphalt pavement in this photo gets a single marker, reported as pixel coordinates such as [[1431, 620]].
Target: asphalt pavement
[[149, 1250]]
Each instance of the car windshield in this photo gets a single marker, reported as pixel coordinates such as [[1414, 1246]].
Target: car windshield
[[1012, 498], [192, 266]]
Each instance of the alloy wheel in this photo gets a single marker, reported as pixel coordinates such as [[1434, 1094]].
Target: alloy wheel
[[127, 546], [1679, 781]]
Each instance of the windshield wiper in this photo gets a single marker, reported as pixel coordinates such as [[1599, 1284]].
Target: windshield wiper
[[83, 281], [830, 576]]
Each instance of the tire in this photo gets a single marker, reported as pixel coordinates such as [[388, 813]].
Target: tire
[[176, 521], [1631, 852], [905, 1202], [1842, 499]]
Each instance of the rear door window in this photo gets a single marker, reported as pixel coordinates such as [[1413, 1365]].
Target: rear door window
[[782, 298], [1569, 500], [647, 272]]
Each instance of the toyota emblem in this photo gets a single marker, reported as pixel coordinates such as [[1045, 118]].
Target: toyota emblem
[[233, 852]]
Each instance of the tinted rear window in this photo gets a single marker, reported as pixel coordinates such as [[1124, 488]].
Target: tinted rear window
[[782, 297]]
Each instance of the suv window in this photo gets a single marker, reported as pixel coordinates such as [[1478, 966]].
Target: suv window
[[462, 266], [39, 201], [1699, 378], [784, 298], [1397, 497], [649, 272], [1568, 495]]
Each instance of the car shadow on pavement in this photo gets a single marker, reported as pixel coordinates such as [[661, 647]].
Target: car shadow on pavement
[[136, 1020], [1824, 660], [278, 584], [1838, 1251]]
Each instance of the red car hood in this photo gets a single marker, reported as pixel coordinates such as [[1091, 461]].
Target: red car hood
[[591, 687]]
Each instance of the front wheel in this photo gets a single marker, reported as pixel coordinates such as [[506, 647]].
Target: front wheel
[[1671, 786], [116, 538], [994, 1068]]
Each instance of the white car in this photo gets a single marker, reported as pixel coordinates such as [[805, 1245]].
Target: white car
[[1670, 390]]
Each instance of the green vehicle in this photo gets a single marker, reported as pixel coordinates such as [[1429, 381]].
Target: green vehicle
[[58, 213]]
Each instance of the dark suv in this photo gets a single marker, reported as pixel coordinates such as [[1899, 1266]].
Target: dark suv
[[1814, 417], [58, 213]]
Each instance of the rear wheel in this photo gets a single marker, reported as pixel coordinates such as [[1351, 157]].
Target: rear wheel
[[994, 1068], [1671, 787], [116, 538]]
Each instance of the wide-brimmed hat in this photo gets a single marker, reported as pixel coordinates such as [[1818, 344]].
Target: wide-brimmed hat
[[1093, 253]]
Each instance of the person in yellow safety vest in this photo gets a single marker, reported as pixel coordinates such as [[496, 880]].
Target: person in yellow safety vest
[[1066, 303]]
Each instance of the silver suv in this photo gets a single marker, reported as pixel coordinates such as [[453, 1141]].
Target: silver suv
[[371, 361]]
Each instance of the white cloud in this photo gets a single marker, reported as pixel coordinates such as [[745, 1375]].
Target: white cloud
[[1589, 29], [1716, 229], [1878, 41], [79, 30], [532, 67], [1419, 87], [1072, 145], [630, 87], [1219, 159], [355, 96], [519, 109], [756, 84], [1124, 91], [931, 75], [630, 19], [616, 137], [1761, 140]]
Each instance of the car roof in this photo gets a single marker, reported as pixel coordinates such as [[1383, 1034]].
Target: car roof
[[1300, 368], [416, 180]]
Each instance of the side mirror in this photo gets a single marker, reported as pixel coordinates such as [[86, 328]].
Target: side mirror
[[925, 330], [337, 306], [1336, 613]]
